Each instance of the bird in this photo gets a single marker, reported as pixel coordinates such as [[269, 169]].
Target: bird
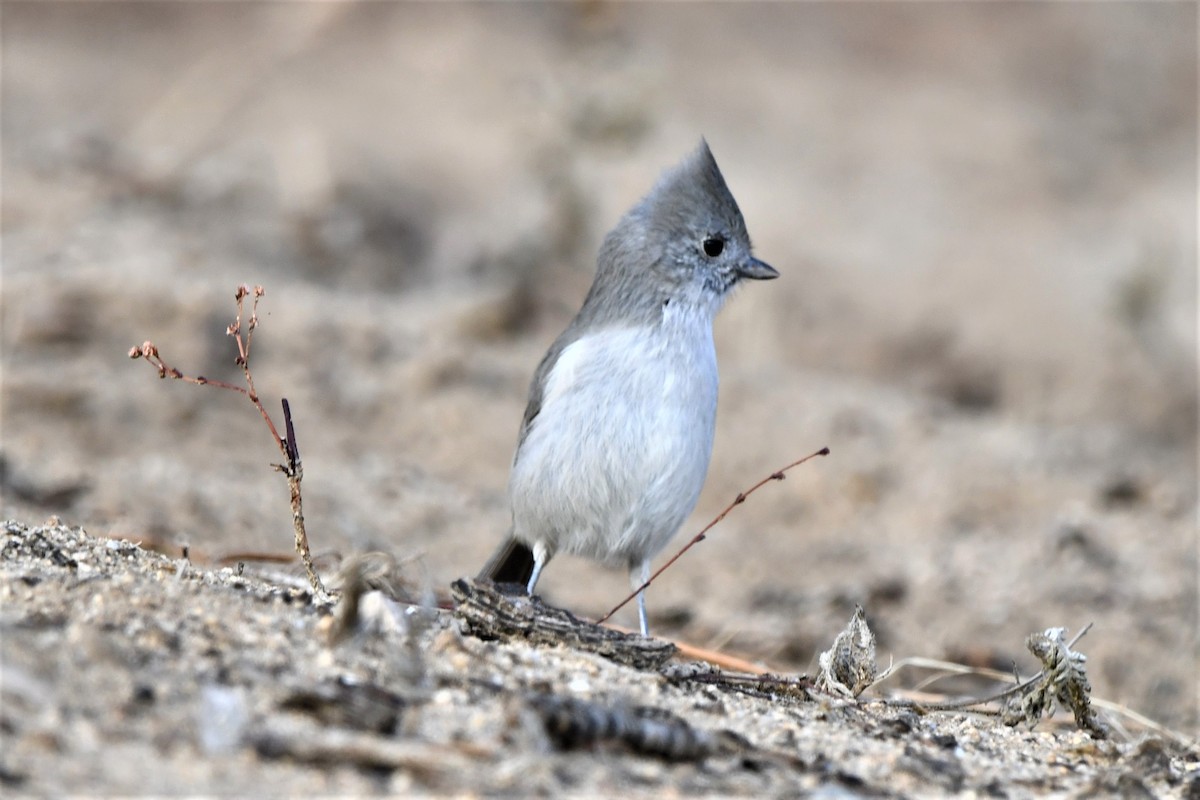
[[615, 442]]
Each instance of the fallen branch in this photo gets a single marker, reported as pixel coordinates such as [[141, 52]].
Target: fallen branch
[[490, 614]]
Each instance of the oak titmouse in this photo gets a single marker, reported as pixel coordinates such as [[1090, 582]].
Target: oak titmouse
[[617, 435]]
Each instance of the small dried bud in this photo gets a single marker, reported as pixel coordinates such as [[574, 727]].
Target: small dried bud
[[259, 291], [242, 291], [135, 352]]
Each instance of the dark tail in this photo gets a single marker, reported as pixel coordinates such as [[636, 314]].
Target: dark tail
[[511, 563]]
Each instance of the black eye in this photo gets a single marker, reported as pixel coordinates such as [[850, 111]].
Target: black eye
[[714, 246]]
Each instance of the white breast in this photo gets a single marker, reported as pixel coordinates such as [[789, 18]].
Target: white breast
[[616, 458]]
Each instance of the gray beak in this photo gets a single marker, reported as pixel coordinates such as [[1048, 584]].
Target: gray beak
[[757, 270]]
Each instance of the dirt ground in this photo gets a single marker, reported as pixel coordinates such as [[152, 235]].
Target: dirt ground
[[985, 221], [117, 658]]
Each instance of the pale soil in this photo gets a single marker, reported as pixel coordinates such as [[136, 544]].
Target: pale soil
[[127, 672], [984, 217]]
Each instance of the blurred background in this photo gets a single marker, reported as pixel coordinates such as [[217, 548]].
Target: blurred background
[[984, 216]]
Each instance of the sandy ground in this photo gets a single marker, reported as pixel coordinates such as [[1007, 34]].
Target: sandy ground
[[131, 673], [984, 217]]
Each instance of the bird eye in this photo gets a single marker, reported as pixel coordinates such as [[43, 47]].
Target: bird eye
[[714, 246]]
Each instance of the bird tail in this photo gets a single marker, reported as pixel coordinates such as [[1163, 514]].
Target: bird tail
[[511, 563]]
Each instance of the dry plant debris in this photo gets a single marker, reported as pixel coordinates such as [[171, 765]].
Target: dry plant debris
[[220, 680], [1063, 680], [848, 666], [777, 475], [293, 468], [490, 614]]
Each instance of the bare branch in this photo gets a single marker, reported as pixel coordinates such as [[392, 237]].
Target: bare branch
[[291, 468], [699, 537]]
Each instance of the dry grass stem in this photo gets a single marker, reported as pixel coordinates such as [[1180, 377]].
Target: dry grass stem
[[778, 475], [242, 331]]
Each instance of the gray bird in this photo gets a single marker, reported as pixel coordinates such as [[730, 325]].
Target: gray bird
[[618, 432]]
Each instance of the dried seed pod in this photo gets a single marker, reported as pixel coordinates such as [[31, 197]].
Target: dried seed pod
[[848, 666], [1064, 681]]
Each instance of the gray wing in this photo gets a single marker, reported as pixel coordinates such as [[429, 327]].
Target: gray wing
[[537, 387]]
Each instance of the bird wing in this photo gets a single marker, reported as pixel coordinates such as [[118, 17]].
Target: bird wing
[[537, 387]]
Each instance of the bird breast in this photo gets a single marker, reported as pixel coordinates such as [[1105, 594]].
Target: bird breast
[[616, 457]]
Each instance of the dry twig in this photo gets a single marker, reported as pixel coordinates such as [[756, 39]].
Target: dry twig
[[490, 614], [778, 475], [763, 684], [292, 469]]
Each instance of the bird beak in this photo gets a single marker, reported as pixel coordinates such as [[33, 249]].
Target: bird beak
[[757, 270]]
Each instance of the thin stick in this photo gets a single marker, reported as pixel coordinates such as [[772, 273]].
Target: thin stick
[[150, 352], [293, 470], [243, 359], [699, 537], [719, 659]]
